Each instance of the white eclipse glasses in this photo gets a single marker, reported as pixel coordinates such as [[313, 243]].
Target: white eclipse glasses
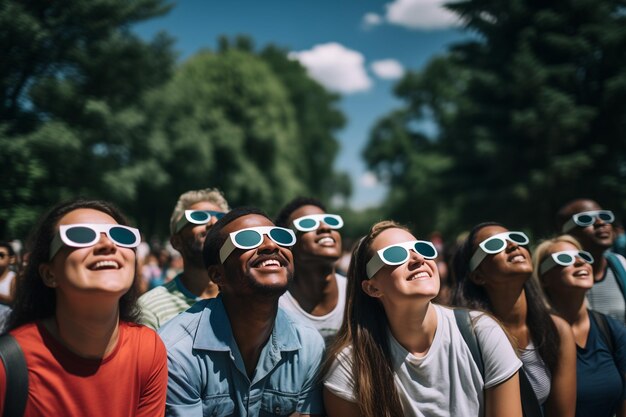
[[587, 218], [197, 217], [398, 253], [495, 244], [252, 237], [564, 258], [82, 235], [313, 222]]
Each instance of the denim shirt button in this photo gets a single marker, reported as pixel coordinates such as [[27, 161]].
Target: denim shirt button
[[276, 410]]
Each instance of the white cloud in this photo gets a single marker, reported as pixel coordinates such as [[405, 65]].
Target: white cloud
[[371, 20], [388, 69], [420, 14], [335, 67], [368, 180]]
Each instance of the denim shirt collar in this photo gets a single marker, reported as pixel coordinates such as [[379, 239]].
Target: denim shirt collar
[[215, 333]]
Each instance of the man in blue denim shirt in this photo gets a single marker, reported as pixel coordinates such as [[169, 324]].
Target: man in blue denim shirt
[[239, 354]]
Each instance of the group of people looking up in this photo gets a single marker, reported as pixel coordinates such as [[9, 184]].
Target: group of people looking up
[[259, 322]]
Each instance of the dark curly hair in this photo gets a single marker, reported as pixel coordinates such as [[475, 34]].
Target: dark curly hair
[[33, 299], [293, 205]]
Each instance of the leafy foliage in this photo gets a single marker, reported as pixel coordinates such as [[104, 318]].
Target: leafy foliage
[[89, 109], [529, 114]]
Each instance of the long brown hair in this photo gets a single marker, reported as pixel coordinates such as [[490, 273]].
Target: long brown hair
[[33, 299], [365, 328]]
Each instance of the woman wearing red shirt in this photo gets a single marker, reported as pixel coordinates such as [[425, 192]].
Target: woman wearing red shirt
[[74, 319]]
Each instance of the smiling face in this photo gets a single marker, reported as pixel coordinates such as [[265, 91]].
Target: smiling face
[[513, 261], [103, 267], [579, 275], [189, 240], [264, 270], [323, 243], [596, 236], [418, 277]]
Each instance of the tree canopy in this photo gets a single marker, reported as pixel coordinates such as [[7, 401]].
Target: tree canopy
[[529, 113], [90, 109]]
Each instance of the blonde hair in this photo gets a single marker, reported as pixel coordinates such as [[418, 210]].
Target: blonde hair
[[188, 199], [542, 251]]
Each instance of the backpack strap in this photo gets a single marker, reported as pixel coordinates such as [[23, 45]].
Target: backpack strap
[[464, 323], [530, 404], [603, 326], [16, 376], [618, 270]]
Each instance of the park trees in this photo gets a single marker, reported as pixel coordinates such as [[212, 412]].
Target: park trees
[[90, 109], [72, 78], [529, 112]]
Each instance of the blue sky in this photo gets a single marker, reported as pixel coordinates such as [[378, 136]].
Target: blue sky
[[358, 48]]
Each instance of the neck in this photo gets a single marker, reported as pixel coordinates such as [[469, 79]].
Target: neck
[[196, 279], [314, 286], [413, 324], [252, 320], [90, 330], [571, 305], [600, 263], [509, 303]]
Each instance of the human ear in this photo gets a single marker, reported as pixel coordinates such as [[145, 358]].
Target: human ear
[[47, 276], [370, 288], [477, 277], [216, 273], [175, 241]]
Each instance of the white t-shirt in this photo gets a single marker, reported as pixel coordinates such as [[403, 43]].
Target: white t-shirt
[[446, 381], [328, 324], [5, 284]]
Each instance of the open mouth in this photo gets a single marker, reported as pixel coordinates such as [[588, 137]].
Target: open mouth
[[583, 273], [326, 241], [268, 262], [518, 258], [100, 265], [419, 275]]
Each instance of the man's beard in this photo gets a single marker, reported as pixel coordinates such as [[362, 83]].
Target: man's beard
[[268, 291]]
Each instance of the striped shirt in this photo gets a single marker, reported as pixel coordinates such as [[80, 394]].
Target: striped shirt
[[606, 297], [537, 372], [164, 302]]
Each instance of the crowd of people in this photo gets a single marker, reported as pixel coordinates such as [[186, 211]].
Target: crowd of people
[[248, 315]]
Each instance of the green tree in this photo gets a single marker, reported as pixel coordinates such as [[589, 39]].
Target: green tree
[[226, 122], [71, 82], [530, 113]]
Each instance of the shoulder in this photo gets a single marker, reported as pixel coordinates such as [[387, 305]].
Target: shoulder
[[306, 334], [341, 280], [158, 294], [141, 332], [183, 327], [561, 325], [617, 327]]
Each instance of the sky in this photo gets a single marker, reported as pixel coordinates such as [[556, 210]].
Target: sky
[[357, 48]]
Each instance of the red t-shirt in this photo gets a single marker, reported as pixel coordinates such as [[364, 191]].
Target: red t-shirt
[[130, 381]]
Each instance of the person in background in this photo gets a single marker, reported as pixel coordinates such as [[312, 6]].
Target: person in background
[[193, 216], [317, 294], [239, 354], [397, 354], [74, 318], [619, 244], [7, 274], [592, 227], [492, 270], [566, 274]]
